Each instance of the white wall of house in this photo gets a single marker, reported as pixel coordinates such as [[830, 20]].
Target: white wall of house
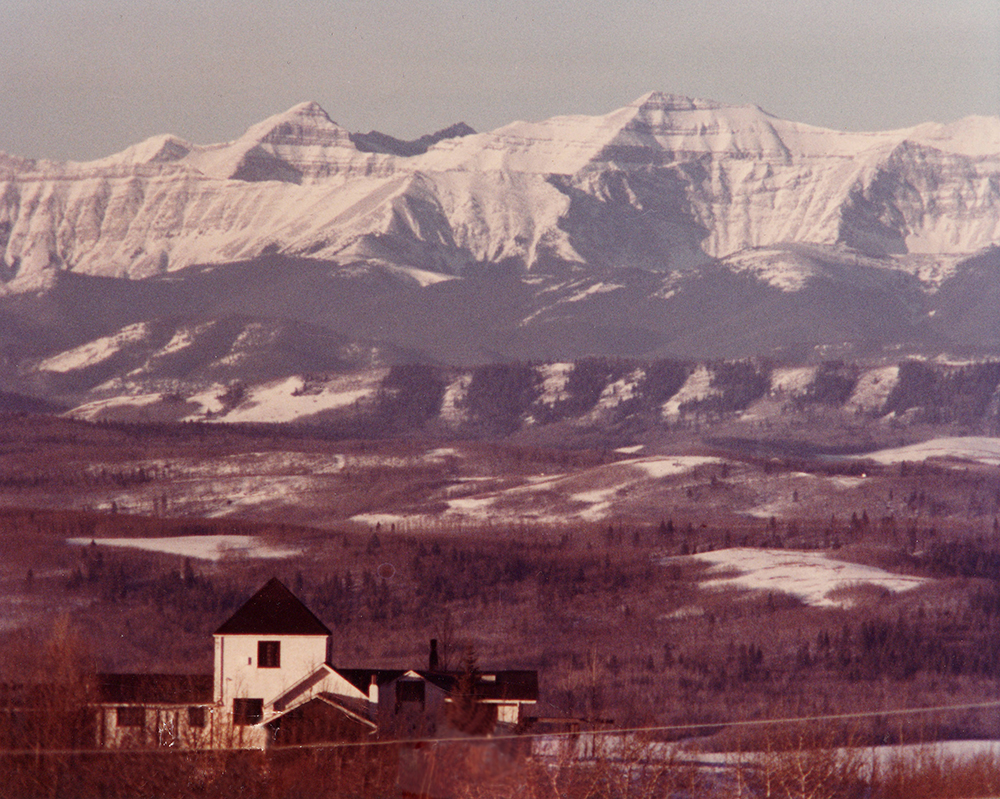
[[238, 673], [168, 726]]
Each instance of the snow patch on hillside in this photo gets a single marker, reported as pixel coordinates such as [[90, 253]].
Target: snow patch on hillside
[[554, 378], [793, 380], [254, 337], [96, 351], [873, 389], [453, 409], [697, 386], [183, 338], [811, 576], [979, 449], [92, 411], [421, 277], [598, 500], [208, 401], [778, 268], [597, 288], [621, 390], [287, 400]]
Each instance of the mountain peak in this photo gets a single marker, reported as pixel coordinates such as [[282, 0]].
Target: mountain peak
[[309, 109], [162, 148], [302, 123], [663, 101]]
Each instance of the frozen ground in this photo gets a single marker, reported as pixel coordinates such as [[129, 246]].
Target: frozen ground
[[811, 576], [203, 547]]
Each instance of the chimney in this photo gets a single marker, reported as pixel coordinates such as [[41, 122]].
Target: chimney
[[433, 665], [373, 690]]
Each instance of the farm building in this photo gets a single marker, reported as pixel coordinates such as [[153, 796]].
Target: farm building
[[273, 684]]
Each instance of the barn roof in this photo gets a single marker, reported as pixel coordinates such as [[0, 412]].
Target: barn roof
[[273, 610]]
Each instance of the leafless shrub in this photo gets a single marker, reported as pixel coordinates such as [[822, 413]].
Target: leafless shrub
[[927, 772]]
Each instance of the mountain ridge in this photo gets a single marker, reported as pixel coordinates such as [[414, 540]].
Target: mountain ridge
[[715, 171], [669, 227]]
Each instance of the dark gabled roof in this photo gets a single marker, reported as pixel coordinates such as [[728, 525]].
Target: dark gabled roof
[[273, 610], [155, 689], [510, 684], [362, 678]]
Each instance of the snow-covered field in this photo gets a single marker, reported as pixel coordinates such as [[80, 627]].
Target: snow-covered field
[[812, 576], [669, 465], [203, 547], [979, 449]]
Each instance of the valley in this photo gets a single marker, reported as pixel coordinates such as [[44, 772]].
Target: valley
[[614, 568]]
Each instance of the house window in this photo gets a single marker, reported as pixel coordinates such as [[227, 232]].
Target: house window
[[131, 716], [247, 711], [409, 691], [268, 654], [196, 717]]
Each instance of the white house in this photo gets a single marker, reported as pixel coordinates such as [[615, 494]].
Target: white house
[[273, 684]]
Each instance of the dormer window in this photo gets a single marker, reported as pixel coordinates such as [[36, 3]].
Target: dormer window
[[269, 654]]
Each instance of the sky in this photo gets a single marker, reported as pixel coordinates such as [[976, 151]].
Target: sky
[[81, 79]]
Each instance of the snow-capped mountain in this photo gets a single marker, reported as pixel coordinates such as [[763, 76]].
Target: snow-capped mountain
[[663, 181], [671, 226]]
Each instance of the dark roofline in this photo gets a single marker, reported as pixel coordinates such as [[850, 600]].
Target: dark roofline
[[155, 689], [512, 684], [273, 610]]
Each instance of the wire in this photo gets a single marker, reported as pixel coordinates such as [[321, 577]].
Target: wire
[[533, 735], [667, 727]]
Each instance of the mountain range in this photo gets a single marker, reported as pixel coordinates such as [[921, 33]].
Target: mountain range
[[672, 227]]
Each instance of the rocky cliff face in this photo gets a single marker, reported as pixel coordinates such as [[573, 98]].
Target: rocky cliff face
[[663, 183]]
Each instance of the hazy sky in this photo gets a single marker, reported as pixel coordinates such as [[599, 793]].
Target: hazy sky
[[84, 78]]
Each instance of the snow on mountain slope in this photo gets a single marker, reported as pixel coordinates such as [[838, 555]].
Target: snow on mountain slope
[[95, 352], [664, 181], [288, 400]]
